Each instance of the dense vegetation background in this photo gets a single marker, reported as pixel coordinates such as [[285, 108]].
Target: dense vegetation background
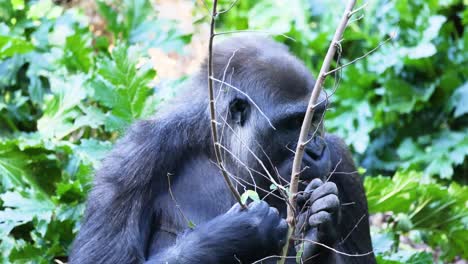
[[74, 75]]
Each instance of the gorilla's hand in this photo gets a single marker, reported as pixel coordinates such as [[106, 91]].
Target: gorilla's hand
[[244, 235], [259, 230], [319, 217]]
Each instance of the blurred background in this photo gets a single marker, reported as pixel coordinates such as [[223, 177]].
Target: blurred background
[[74, 74]]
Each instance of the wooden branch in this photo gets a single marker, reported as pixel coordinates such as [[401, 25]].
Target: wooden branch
[[306, 124], [213, 123]]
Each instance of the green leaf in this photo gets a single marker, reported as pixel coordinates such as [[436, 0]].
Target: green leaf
[[431, 208], [62, 115], [93, 150], [44, 8], [78, 52], [386, 194], [249, 194], [459, 100], [13, 166], [299, 254], [382, 242], [409, 256], [10, 46], [17, 4], [20, 209], [191, 225], [111, 17], [441, 167], [423, 50], [432, 31], [136, 12], [123, 88]]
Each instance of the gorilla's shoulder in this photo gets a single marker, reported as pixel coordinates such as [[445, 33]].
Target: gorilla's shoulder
[[337, 144], [340, 155]]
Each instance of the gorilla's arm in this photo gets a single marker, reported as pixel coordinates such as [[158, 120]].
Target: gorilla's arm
[[240, 235]]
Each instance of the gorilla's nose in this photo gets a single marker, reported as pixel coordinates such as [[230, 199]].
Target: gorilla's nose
[[315, 148]]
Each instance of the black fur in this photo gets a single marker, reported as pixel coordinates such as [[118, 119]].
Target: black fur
[[131, 216]]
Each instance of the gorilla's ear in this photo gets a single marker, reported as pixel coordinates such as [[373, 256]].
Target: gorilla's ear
[[239, 110]]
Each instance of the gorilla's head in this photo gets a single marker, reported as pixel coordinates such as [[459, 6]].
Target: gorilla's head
[[260, 109]]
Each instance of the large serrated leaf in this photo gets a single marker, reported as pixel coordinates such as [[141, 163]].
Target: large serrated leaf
[[20, 209]]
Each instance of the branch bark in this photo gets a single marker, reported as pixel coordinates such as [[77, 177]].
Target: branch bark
[[213, 123], [306, 124]]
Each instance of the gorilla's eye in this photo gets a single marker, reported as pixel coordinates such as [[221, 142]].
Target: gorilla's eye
[[294, 122], [239, 110]]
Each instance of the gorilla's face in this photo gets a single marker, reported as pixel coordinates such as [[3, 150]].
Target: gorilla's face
[[263, 103], [266, 130], [271, 142]]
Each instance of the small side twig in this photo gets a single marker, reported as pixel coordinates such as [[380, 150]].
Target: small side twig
[[233, 3], [189, 223], [363, 56], [357, 9], [354, 228], [334, 250], [248, 98]]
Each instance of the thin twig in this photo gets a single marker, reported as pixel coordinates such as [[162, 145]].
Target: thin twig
[[356, 19], [224, 73], [213, 123], [248, 97], [229, 8], [354, 228], [334, 250], [189, 223], [362, 57], [334, 170], [358, 9], [273, 256], [242, 163]]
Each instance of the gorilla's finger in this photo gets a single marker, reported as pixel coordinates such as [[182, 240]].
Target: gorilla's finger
[[319, 218], [324, 190], [282, 232], [259, 207], [274, 210], [302, 199], [235, 208], [314, 184], [301, 223], [329, 203], [309, 248]]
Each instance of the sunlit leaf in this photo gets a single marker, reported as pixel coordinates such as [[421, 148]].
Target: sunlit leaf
[[10, 46]]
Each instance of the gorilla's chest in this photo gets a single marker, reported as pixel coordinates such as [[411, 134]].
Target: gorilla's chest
[[197, 194]]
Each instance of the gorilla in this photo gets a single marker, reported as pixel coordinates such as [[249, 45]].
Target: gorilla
[[159, 196]]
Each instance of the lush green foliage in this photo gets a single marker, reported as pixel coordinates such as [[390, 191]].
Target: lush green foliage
[[66, 93], [63, 98]]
